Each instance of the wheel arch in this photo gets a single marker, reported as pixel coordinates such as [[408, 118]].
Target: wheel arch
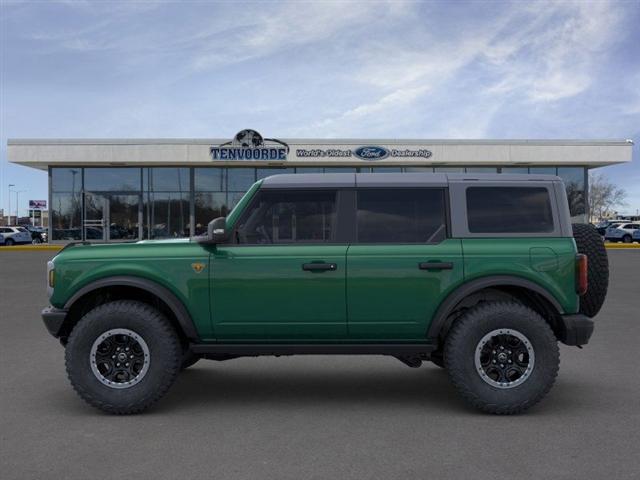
[[135, 288], [532, 294]]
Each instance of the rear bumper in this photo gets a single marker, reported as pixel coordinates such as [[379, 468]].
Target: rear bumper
[[577, 329], [54, 320]]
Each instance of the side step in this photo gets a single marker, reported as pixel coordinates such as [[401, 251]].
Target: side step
[[407, 350]]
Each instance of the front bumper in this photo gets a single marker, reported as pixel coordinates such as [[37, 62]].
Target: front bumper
[[54, 320], [576, 330]]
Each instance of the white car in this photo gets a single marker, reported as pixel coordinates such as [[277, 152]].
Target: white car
[[15, 235], [621, 233], [1, 239]]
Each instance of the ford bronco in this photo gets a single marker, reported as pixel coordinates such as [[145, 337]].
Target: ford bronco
[[480, 274]]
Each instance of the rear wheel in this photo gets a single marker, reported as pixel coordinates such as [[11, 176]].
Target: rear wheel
[[9, 242], [502, 357], [123, 356], [626, 239]]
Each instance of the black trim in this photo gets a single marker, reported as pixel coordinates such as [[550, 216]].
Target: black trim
[[440, 318], [577, 330], [249, 349], [53, 319], [177, 307]]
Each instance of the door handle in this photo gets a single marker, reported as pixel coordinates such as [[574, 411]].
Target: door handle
[[319, 267], [435, 265]]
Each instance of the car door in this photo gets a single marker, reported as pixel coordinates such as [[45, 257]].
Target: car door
[[283, 277], [401, 264]]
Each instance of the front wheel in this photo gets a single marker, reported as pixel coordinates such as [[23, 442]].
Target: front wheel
[[502, 357], [9, 242], [626, 239], [123, 356]]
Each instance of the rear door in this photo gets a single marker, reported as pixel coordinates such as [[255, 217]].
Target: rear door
[[284, 277], [402, 263]]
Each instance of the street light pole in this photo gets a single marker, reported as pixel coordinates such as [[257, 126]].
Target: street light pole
[[9, 211], [18, 192]]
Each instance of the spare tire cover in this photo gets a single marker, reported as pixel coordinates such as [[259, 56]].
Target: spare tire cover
[[589, 242]]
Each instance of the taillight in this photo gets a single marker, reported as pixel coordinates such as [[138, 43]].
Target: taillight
[[582, 279]]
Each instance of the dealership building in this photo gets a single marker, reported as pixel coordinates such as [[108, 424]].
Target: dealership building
[[133, 189]]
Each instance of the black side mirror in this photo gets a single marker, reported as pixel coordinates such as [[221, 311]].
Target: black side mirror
[[217, 230]]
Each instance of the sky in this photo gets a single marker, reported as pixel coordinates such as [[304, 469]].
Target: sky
[[374, 69]]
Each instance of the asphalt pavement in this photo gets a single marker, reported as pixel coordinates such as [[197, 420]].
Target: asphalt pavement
[[317, 417]]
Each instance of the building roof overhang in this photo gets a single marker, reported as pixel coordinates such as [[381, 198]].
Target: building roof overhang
[[43, 153]]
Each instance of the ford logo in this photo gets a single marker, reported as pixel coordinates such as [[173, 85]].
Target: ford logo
[[371, 153]]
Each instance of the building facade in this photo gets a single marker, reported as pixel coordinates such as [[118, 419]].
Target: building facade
[[125, 190]]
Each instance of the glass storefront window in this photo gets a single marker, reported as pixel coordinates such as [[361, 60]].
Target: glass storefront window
[[167, 215], [382, 169], [481, 170], [112, 179], [309, 169], [573, 178], [240, 179], [66, 179], [267, 172], [65, 210], [543, 170], [208, 205], [166, 179], [418, 169], [514, 170], [449, 169], [340, 169], [210, 179]]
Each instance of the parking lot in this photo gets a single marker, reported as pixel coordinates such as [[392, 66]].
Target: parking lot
[[317, 417]]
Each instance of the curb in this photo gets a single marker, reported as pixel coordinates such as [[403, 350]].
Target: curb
[[30, 248], [622, 246]]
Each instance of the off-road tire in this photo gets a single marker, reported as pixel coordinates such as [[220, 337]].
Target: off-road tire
[[188, 359], [463, 340], [589, 242], [164, 350]]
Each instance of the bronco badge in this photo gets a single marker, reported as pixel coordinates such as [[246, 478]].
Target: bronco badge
[[197, 267]]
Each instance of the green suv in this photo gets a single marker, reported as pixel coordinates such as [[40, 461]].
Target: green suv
[[480, 274]]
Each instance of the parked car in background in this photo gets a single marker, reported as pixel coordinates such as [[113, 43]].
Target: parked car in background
[[38, 234], [602, 226], [15, 235], [621, 233], [636, 236], [1, 239]]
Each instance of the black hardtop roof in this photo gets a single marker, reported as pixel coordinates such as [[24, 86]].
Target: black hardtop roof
[[412, 179]]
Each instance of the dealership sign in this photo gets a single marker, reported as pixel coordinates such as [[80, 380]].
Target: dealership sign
[[366, 152], [250, 145], [37, 204]]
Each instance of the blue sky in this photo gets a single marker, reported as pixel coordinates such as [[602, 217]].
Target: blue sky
[[323, 69]]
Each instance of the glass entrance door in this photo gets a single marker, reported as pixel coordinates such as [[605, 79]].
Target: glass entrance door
[[112, 217]]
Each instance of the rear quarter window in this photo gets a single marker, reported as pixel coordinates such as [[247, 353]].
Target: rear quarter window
[[509, 210]]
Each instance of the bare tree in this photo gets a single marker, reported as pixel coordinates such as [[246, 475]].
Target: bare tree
[[604, 196]]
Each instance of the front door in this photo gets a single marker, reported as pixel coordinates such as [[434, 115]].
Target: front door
[[401, 265], [112, 217], [283, 277]]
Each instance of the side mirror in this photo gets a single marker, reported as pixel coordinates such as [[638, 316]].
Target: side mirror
[[217, 230]]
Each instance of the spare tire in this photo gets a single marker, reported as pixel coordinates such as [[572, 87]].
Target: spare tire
[[589, 242]]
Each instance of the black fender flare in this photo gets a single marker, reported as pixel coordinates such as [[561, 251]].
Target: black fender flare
[[174, 303], [466, 289]]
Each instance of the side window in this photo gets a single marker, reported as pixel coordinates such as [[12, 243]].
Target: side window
[[509, 210], [401, 215], [289, 216]]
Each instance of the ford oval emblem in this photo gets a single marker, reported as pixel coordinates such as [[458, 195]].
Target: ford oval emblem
[[371, 153]]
